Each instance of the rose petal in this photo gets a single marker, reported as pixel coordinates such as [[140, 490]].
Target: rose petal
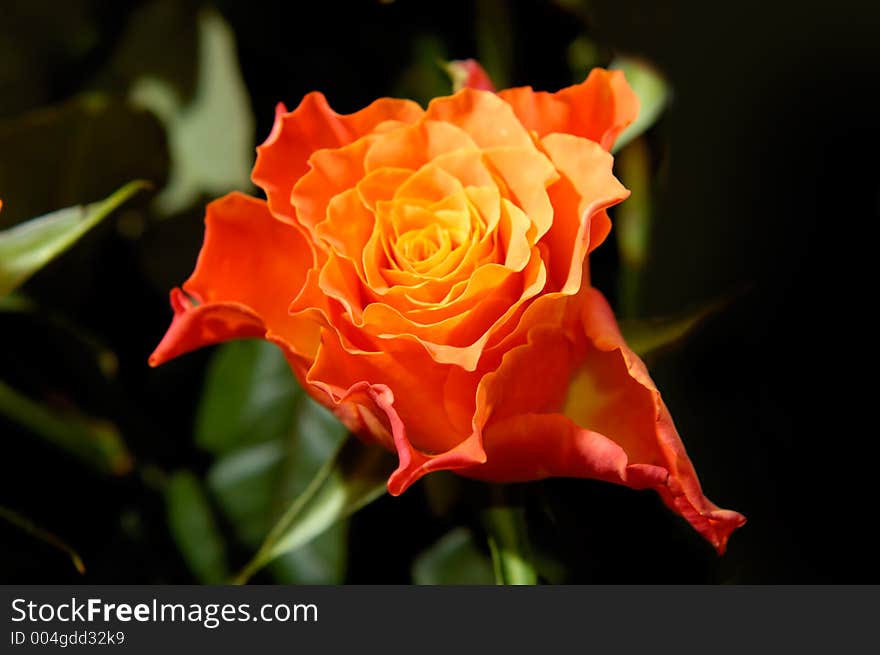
[[313, 125], [613, 426], [244, 246], [330, 173], [437, 436], [586, 189], [525, 174], [599, 108], [414, 146], [488, 120], [432, 427], [635, 417]]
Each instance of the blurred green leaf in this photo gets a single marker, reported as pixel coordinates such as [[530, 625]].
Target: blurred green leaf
[[26, 248], [43, 42], [160, 40], [652, 90], [250, 396], [83, 149], [649, 337], [96, 442], [455, 559], [583, 55], [15, 303], [425, 77], [192, 525], [34, 530], [355, 476], [211, 137], [320, 561]]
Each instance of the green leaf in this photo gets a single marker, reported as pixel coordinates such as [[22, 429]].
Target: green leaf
[[271, 440], [454, 560], [211, 137], [250, 396], [94, 441], [424, 78], [652, 90], [649, 337], [355, 476], [77, 151], [26, 248], [192, 525], [30, 528]]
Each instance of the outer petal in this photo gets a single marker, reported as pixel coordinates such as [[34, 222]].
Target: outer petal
[[614, 425], [488, 120], [313, 125], [429, 430], [586, 189], [227, 295], [599, 108]]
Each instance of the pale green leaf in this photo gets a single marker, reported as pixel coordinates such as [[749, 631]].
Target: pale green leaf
[[653, 92], [27, 247], [211, 138]]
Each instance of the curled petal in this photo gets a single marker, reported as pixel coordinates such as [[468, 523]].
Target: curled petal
[[612, 425], [599, 108], [585, 190], [413, 146], [312, 126], [226, 296], [427, 438], [486, 118], [194, 326]]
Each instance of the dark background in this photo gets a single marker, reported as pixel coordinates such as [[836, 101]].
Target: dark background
[[769, 191]]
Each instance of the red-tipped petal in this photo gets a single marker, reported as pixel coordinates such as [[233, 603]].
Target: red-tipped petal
[[468, 74], [227, 296]]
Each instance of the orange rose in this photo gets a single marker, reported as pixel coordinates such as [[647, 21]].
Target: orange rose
[[424, 272]]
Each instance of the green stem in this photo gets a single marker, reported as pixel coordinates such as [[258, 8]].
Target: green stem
[[633, 225], [507, 534]]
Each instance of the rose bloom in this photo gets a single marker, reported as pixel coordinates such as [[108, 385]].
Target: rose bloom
[[425, 274]]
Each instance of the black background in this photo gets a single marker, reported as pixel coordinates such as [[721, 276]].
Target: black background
[[771, 192]]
